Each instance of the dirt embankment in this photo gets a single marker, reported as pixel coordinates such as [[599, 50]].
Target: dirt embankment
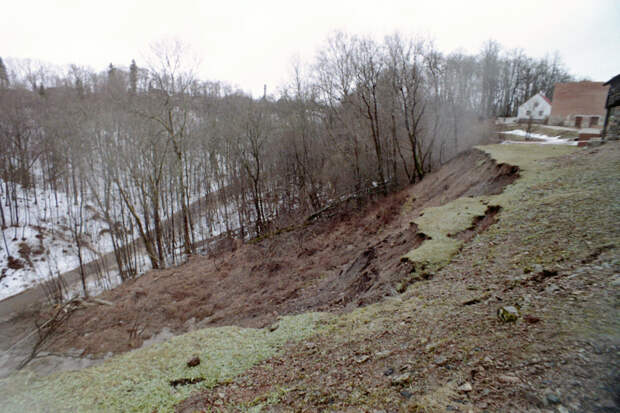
[[335, 264], [554, 255], [439, 346]]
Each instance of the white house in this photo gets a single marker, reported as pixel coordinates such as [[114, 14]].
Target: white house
[[538, 108]]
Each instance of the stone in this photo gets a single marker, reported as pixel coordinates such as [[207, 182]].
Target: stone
[[193, 362], [562, 409], [440, 360], [274, 327], [388, 372], [465, 387], [401, 379], [508, 314], [506, 378], [406, 394], [552, 288], [552, 398], [530, 319], [362, 359], [533, 399]]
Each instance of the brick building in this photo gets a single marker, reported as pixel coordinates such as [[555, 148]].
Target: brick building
[[579, 104]]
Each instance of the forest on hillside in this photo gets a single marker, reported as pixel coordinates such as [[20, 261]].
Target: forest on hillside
[[161, 155]]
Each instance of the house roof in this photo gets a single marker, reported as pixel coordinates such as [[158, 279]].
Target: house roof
[[545, 97], [541, 95]]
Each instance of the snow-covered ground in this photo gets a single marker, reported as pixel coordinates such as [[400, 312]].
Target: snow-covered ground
[[42, 246], [540, 138], [560, 127], [42, 242]]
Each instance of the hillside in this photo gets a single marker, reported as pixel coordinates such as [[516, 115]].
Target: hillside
[[393, 306]]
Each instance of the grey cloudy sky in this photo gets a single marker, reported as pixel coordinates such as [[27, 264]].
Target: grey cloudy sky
[[249, 43]]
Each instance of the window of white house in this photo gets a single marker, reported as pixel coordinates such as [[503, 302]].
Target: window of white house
[[535, 104], [540, 112], [529, 112]]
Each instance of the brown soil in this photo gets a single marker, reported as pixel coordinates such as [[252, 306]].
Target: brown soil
[[15, 263], [466, 344], [480, 224], [316, 267]]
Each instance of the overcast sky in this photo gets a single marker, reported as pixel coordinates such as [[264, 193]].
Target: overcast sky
[[250, 43]]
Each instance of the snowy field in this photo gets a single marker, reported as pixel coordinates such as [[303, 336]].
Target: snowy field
[[42, 244], [540, 138]]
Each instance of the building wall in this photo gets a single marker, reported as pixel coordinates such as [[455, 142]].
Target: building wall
[[537, 106], [579, 99]]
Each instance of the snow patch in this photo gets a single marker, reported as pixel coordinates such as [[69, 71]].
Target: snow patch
[[540, 138]]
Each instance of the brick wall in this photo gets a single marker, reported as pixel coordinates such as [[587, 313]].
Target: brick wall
[[585, 99]]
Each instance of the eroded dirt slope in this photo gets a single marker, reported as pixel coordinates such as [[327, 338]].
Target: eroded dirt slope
[[339, 262], [554, 255]]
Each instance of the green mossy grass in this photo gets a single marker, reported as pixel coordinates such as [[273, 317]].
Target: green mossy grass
[[139, 381], [440, 223]]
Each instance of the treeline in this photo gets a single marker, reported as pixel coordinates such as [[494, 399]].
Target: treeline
[[162, 155]]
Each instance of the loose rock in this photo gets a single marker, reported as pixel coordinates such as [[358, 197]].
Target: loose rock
[[465, 387], [505, 378], [401, 379], [530, 319], [553, 398], [362, 359], [193, 362], [406, 394], [440, 360], [508, 314]]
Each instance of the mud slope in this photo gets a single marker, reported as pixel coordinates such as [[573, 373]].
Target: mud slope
[[336, 263], [552, 253]]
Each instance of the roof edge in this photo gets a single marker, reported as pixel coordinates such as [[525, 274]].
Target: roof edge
[[613, 79]]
